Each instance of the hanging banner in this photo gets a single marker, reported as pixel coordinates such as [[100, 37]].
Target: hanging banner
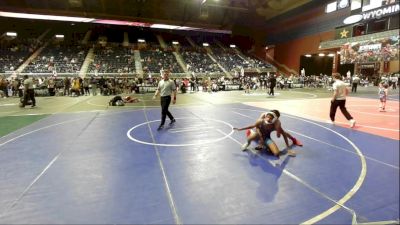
[[384, 49]]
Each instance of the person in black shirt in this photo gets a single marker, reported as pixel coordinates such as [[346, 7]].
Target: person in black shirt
[[272, 84]]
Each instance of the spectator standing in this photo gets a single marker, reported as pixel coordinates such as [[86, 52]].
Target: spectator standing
[[383, 93], [67, 86], [354, 84], [15, 86], [86, 86], [102, 85], [81, 88], [29, 92], [4, 86], [76, 88], [51, 85], [348, 74], [272, 84], [93, 83], [395, 81]]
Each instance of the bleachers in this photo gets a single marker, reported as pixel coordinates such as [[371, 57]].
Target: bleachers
[[112, 59], [59, 57], [229, 59], [155, 60], [67, 56], [199, 62], [255, 63], [14, 52]]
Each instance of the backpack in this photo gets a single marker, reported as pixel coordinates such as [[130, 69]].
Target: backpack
[[116, 101]]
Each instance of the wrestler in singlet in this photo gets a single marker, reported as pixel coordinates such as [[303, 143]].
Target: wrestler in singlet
[[266, 130]]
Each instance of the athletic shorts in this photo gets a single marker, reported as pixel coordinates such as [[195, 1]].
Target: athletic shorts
[[267, 141]]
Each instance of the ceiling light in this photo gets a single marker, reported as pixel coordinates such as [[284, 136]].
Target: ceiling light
[[307, 55], [121, 22], [45, 17], [205, 44], [331, 54], [175, 43], [186, 28], [59, 36], [232, 46], [141, 41], [11, 34], [105, 21], [321, 54], [164, 26]]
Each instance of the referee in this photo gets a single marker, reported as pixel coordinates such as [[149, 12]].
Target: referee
[[165, 88]]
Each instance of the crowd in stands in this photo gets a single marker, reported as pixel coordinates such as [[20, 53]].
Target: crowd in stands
[[255, 63], [155, 60], [14, 52], [200, 62], [112, 59], [58, 58], [229, 59], [63, 57]]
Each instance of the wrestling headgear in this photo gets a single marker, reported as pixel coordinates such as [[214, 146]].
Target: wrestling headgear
[[273, 115]]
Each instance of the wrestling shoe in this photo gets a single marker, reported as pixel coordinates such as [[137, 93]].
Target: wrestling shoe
[[352, 123], [331, 122], [245, 146], [297, 142], [259, 148]]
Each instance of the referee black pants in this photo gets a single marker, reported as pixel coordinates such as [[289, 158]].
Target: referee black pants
[[354, 87], [342, 105], [165, 101], [271, 90], [29, 95]]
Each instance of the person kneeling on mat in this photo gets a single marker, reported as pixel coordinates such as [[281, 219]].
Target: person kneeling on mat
[[262, 134], [130, 99], [286, 134]]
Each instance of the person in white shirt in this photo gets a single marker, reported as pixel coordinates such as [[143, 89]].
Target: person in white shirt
[[354, 83], [166, 88], [339, 100]]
